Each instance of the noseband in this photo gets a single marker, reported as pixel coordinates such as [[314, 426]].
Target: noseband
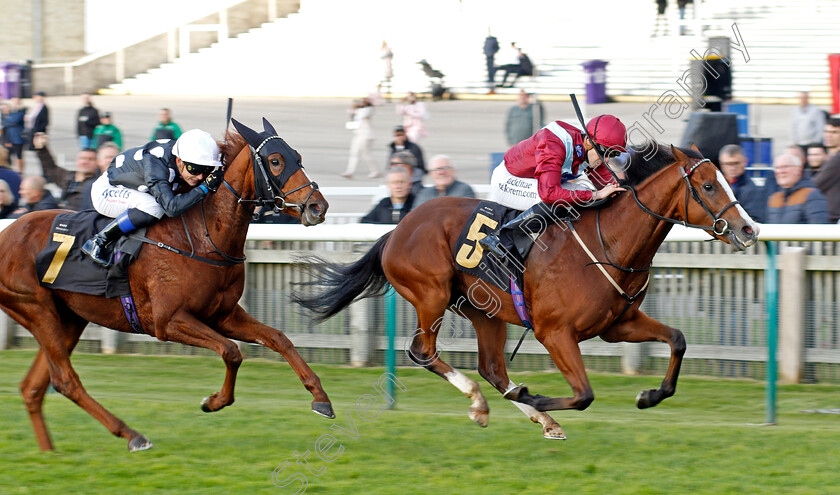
[[719, 226]]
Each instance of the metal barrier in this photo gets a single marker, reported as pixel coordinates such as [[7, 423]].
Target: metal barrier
[[716, 297]]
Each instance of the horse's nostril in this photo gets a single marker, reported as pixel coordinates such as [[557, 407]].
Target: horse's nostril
[[315, 209], [748, 231]]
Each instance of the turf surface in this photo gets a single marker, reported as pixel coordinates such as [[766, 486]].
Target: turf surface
[[703, 440]]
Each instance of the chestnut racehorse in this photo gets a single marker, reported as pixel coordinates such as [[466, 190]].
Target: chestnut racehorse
[[569, 298], [178, 299]]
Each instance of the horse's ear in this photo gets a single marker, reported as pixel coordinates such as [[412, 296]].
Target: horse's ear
[[695, 148], [679, 156], [250, 135], [269, 128]]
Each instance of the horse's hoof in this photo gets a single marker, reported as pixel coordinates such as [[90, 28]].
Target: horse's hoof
[[481, 418], [554, 432], [644, 399], [324, 409], [205, 405], [139, 443]]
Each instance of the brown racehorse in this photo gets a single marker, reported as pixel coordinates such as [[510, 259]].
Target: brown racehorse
[[569, 299], [178, 299]]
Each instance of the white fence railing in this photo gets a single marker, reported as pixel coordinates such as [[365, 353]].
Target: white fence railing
[[715, 296]]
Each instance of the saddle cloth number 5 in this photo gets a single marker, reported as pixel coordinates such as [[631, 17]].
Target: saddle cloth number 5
[[469, 255], [60, 256]]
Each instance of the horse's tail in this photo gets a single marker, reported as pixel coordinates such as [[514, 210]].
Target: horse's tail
[[342, 284]]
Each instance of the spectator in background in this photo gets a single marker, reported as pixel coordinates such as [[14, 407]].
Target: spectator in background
[[104, 156], [828, 180], [360, 124], [395, 207], [402, 143], [414, 117], [73, 184], [807, 123], [491, 47], [166, 129], [7, 200], [86, 121], [509, 58], [37, 118], [815, 156], [12, 118], [106, 131], [523, 120], [35, 196], [10, 176], [831, 137], [523, 67], [733, 163], [445, 184], [797, 200], [408, 162], [387, 57]]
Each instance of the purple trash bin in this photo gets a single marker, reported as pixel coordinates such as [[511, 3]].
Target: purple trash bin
[[9, 80], [595, 77]]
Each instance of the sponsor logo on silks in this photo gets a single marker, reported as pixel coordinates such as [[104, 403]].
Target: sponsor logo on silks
[[116, 193], [579, 150]]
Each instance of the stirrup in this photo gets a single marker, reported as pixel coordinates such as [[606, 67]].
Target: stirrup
[[491, 244], [94, 249]]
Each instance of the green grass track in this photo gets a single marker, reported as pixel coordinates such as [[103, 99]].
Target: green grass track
[[703, 440]]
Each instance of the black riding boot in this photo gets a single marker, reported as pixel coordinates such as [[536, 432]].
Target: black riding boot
[[494, 243], [96, 246], [127, 222]]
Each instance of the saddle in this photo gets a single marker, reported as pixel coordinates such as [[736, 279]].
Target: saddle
[[62, 264]]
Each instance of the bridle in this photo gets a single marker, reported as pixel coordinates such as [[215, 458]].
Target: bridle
[[268, 188], [695, 195]]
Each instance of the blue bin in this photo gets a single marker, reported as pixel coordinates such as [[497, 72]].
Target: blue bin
[[9, 80], [742, 110], [759, 153]]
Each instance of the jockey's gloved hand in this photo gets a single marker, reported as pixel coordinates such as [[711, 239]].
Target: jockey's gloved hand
[[214, 180]]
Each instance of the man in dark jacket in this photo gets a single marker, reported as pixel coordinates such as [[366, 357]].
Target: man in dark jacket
[[828, 179], [491, 47], [37, 198], [86, 122], [797, 200], [395, 207], [401, 143], [732, 165]]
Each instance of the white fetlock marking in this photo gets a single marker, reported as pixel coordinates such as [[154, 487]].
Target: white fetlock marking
[[534, 415], [467, 386]]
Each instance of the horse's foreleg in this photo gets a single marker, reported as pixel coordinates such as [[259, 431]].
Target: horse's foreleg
[[492, 335], [424, 352], [642, 328], [563, 348], [185, 328], [242, 326]]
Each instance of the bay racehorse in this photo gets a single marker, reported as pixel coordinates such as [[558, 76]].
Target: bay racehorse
[[178, 298], [569, 298]]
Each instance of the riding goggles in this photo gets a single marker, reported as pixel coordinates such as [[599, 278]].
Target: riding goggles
[[196, 170]]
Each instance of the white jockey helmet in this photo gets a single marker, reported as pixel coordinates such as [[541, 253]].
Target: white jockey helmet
[[198, 147]]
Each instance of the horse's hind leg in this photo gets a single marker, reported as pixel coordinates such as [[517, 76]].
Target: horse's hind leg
[[34, 386], [242, 326], [424, 352], [492, 335], [642, 328]]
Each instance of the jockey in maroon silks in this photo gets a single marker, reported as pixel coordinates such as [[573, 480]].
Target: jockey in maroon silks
[[549, 168]]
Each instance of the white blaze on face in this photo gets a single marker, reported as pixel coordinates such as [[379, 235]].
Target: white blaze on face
[[725, 185]]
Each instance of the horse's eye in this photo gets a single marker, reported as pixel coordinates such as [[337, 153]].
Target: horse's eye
[[708, 186], [275, 162]]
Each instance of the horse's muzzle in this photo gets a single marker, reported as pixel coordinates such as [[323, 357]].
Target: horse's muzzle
[[314, 212]]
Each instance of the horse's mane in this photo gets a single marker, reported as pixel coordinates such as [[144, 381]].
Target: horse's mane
[[231, 147], [650, 158]]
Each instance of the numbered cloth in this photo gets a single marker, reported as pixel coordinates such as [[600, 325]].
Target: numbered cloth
[[63, 265], [470, 257]]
